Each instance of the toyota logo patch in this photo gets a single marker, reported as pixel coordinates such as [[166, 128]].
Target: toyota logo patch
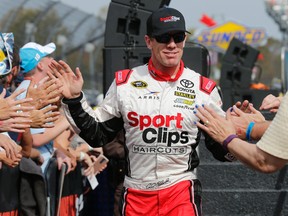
[[186, 83]]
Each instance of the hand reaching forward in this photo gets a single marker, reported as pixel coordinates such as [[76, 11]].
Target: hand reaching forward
[[216, 126], [242, 119], [10, 107], [270, 102], [47, 91], [18, 124], [45, 117], [72, 83]]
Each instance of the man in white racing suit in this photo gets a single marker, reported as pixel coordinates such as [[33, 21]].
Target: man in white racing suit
[[154, 103]]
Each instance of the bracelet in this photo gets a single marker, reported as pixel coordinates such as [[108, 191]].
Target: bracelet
[[228, 140], [249, 130], [82, 156]]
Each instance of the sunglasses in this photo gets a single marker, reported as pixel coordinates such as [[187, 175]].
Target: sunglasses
[[166, 38]]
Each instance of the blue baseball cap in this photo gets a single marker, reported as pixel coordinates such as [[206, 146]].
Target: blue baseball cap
[[31, 54], [6, 53]]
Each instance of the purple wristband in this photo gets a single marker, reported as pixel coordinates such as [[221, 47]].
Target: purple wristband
[[228, 140]]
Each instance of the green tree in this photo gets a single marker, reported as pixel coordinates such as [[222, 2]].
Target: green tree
[[47, 26]]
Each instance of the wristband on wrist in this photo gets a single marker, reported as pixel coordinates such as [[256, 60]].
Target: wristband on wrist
[[228, 140], [82, 156], [249, 130]]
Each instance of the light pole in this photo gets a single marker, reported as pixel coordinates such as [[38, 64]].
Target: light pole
[[89, 48], [30, 29], [279, 11], [62, 41]]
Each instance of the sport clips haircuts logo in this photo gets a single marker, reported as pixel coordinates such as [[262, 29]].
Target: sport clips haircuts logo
[[169, 19], [155, 129]]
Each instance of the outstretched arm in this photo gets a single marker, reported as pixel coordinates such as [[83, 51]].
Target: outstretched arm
[[254, 157], [220, 128]]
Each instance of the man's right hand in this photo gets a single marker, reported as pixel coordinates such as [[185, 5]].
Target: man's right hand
[[72, 82]]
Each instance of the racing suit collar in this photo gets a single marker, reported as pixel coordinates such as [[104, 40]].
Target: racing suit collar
[[161, 76]]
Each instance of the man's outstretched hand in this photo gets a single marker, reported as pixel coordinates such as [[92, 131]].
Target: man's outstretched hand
[[72, 83]]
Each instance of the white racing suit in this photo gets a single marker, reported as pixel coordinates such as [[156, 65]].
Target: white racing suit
[[157, 115]]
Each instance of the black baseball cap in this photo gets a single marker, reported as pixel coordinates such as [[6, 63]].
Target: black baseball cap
[[165, 20]]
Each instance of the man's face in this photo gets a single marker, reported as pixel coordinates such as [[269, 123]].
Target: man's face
[[167, 49], [45, 62]]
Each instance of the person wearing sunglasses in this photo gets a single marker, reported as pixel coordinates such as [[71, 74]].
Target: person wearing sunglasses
[[154, 104]]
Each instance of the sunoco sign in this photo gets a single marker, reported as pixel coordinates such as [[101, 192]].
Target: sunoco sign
[[219, 37]]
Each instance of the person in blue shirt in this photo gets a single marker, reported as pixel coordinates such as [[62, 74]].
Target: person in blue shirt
[[34, 66]]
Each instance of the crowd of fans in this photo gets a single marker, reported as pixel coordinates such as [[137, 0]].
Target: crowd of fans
[[36, 140]]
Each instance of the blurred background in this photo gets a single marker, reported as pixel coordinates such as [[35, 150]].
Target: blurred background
[[78, 29]]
